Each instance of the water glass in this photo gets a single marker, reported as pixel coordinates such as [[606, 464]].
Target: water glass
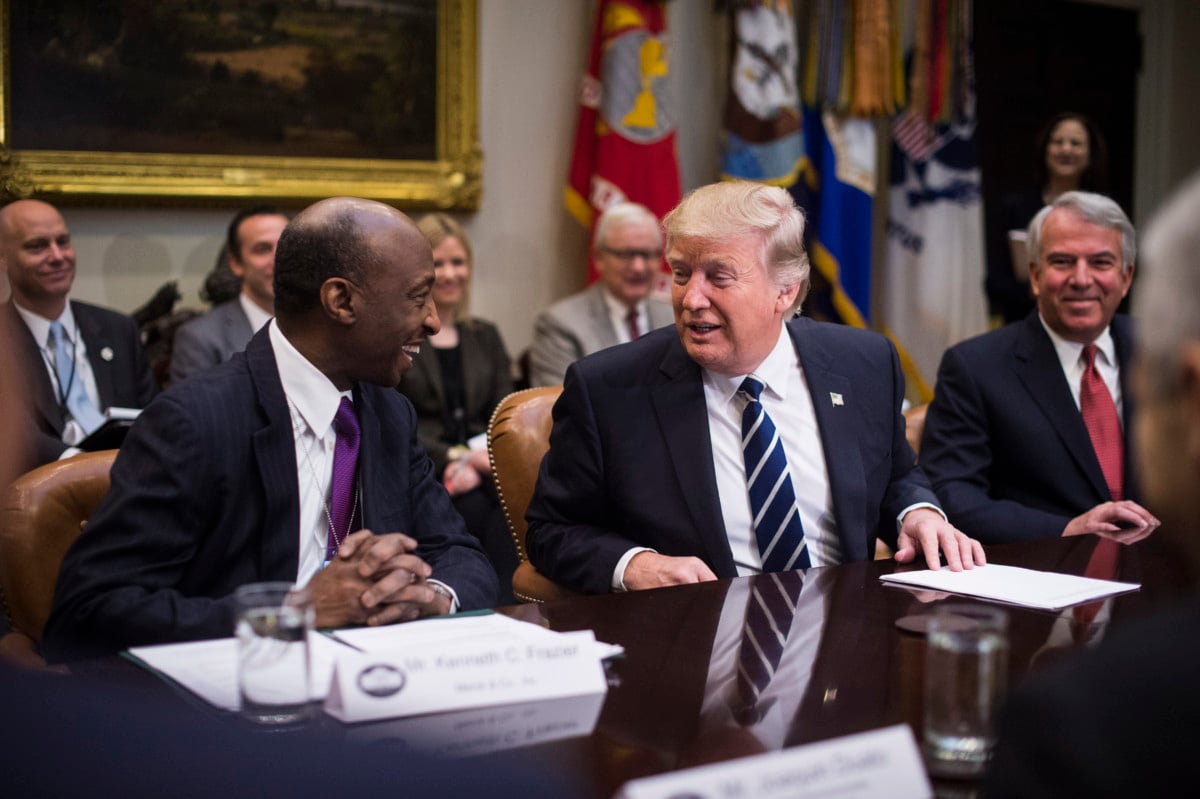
[[966, 673], [274, 621]]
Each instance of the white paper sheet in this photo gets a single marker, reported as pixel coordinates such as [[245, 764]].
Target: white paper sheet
[[1013, 585], [209, 668]]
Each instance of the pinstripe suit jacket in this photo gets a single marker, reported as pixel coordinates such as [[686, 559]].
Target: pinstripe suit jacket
[[205, 498]]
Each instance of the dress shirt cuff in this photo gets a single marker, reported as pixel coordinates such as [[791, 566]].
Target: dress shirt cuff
[[914, 506], [450, 592], [618, 578], [69, 452]]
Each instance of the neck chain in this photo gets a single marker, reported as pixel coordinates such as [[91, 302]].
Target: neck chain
[[298, 433]]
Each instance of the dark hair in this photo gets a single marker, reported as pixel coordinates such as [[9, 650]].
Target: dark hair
[[1095, 177], [232, 245], [309, 253]]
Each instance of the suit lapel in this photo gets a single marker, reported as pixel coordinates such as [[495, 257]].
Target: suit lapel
[[236, 329], [99, 344], [838, 426], [275, 451], [598, 319], [679, 405], [1040, 372], [1122, 334], [42, 397]]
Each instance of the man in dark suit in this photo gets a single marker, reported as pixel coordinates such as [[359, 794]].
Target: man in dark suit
[[1120, 720], [214, 337], [101, 349], [1005, 443], [234, 478], [645, 482]]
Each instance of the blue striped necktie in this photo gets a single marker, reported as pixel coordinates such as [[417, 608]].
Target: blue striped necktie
[[70, 385], [769, 614], [776, 519]]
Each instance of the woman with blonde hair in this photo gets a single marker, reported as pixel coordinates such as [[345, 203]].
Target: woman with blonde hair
[[455, 383]]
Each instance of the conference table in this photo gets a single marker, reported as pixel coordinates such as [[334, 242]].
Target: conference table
[[862, 671]]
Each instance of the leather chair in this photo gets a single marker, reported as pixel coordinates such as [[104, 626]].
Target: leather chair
[[914, 419], [44, 511], [518, 437]]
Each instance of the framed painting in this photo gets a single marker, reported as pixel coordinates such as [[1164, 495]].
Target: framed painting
[[196, 101]]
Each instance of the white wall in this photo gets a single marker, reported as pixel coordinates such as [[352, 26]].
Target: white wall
[[529, 251]]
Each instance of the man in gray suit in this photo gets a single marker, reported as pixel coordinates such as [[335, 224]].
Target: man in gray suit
[[214, 337], [627, 247]]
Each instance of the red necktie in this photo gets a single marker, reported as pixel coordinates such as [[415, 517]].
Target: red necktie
[[632, 319], [1103, 426], [1102, 565]]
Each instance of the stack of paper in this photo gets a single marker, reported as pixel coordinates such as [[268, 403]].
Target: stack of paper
[[1016, 586]]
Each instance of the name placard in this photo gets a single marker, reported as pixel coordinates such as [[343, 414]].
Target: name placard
[[882, 762], [458, 674]]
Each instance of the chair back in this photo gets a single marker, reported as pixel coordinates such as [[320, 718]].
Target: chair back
[[43, 513], [914, 421], [518, 437]]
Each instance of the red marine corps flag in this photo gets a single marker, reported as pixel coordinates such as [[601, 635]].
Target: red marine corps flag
[[625, 139]]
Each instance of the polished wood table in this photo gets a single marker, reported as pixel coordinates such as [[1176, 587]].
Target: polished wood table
[[862, 671], [868, 672]]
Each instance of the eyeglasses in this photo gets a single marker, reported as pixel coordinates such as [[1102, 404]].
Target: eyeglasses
[[628, 255]]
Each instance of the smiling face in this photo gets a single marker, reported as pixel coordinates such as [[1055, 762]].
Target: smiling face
[[36, 250], [1067, 152], [452, 269], [395, 308], [728, 310], [1078, 278], [254, 262]]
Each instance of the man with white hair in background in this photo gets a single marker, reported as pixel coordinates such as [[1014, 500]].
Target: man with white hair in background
[[1120, 720], [627, 247]]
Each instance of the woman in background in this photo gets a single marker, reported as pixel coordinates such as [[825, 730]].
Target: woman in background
[[455, 383], [1071, 156]]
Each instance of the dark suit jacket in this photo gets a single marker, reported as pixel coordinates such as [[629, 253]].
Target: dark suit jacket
[[114, 350], [1117, 721], [209, 339], [487, 376], [630, 460], [204, 499], [1004, 444]]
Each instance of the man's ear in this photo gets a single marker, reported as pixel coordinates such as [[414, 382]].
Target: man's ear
[[338, 298]]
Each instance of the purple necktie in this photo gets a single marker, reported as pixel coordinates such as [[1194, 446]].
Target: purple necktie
[[342, 503]]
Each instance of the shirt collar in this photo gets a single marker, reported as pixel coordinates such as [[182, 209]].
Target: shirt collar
[[1070, 351], [616, 308], [312, 394], [774, 371], [39, 326], [255, 315]]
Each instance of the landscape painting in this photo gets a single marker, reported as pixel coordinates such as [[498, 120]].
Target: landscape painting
[[241, 81]]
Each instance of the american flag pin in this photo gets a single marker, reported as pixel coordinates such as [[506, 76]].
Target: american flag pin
[[106, 354], [836, 399]]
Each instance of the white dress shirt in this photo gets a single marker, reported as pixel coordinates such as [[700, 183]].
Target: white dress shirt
[[255, 315], [313, 402], [1070, 356], [618, 314], [40, 328]]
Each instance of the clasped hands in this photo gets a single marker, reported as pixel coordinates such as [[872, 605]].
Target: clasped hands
[[374, 580]]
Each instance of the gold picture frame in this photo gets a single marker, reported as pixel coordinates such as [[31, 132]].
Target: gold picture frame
[[452, 180]]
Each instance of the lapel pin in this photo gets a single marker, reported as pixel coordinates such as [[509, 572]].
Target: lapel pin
[[836, 399], [106, 354]]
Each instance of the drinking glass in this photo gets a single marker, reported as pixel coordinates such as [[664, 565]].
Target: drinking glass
[[274, 621], [966, 672]]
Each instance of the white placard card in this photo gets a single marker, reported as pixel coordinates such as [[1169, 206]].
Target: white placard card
[[882, 762], [457, 674]]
